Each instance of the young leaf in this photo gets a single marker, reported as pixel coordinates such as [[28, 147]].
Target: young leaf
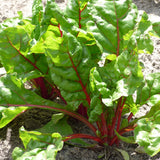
[[123, 76], [57, 123], [38, 145], [37, 12], [8, 114], [123, 153], [147, 133], [156, 28], [125, 139]]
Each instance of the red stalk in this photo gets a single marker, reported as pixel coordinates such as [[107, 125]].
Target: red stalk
[[120, 114], [40, 83], [130, 117], [115, 118], [86, 136], [104, 127], [79, 15], [80, 80], [122, 131], [23, 55], [72, 114], [99, 127], [80, 18], [82, 110], [60, 30]]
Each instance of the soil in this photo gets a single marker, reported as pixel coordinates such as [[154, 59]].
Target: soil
[[9, 136]]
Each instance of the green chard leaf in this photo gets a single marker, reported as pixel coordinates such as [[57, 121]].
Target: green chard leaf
[[123, 75], [78, 11], [149, 91], [118, 27], [70, 59], [15, 99], [37, 15], [147, 133], [38, 145], [15, 53], [113, 19]]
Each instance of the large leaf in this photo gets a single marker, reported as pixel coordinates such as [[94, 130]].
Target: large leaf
[[113, 19], [70, 59], [117, 27], [15, 99], [38, 145], [15, 52], [147, 133]]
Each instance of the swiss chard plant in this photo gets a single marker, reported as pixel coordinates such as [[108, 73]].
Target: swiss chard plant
[[86, 56]]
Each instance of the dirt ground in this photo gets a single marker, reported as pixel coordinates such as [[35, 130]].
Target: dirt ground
[[9, 138]]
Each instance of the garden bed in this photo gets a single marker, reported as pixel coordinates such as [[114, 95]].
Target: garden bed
[[36, 118]]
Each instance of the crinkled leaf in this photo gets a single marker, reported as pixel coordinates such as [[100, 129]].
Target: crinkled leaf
[[53, 14], [123, 76], [96, 109], [98, 87], [135, 41], [70, 60], [147, 133], [130, 106], [38, 145], [149, 91]]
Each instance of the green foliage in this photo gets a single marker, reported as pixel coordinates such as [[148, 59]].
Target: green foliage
[[147, 133], [38, 145], [86, 56]]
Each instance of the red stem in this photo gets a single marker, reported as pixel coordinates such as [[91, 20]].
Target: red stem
[[72, 114], [73, 136], [79, 15], [115, 118], [40, 82], [60, 30], [104, 126], [130, 117], [23, 55], [80, 80], [122, 131], [82, 110], [120, 114]]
